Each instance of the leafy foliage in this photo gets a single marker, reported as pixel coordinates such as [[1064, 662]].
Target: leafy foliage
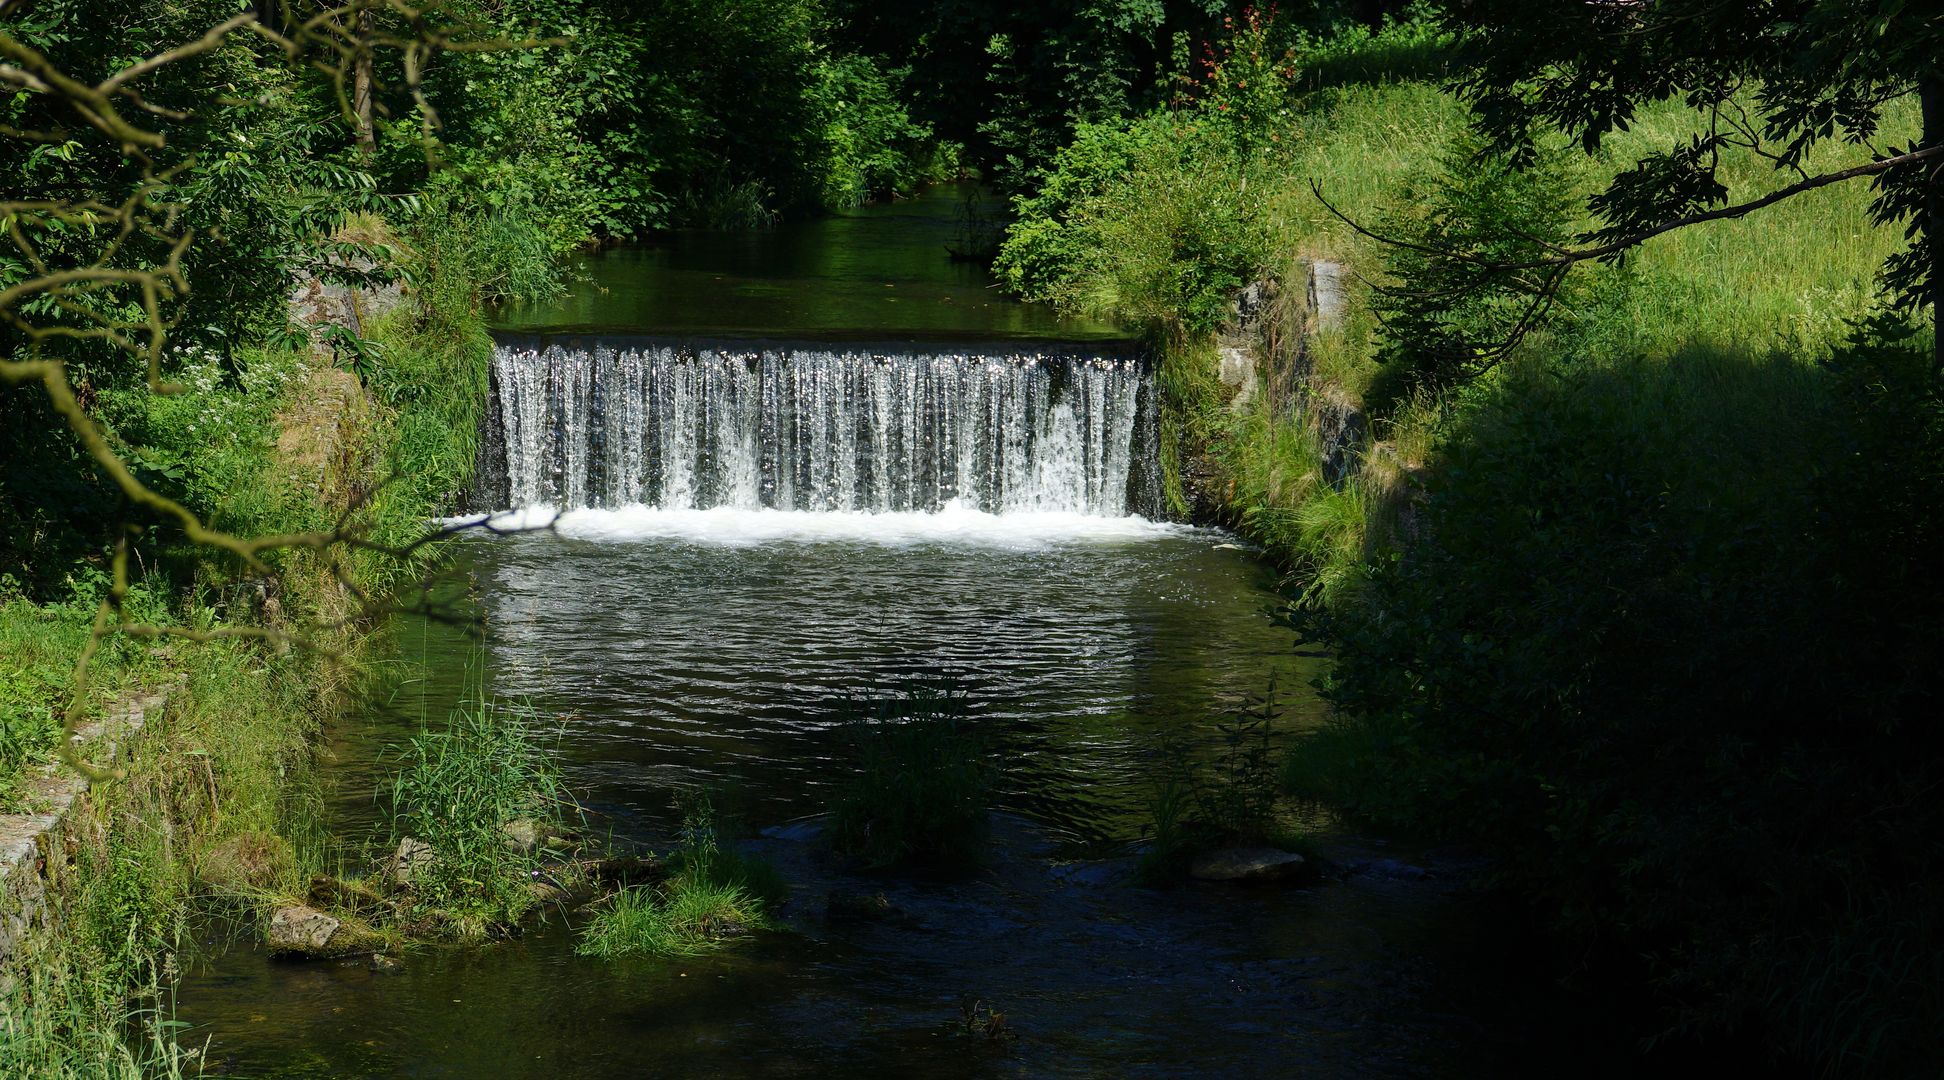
[[1452, 309], [1673, 689]]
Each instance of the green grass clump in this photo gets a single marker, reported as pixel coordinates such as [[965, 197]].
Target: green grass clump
[[919, 793], [716, 893], [457, 789], [684, 917]]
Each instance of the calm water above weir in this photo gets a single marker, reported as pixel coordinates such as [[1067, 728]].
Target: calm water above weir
[[753, 533], [878, 271]]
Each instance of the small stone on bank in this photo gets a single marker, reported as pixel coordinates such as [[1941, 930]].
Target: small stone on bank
[[413, 855], [522, 835]]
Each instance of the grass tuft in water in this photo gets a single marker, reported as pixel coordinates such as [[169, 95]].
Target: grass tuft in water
[[684, 917], [716, 894], [458, 789], [920, 792]]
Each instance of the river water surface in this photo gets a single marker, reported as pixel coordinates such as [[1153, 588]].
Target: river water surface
[[713, 640]]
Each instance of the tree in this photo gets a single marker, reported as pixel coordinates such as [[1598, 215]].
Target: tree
[[1812, 71], [102, 251]]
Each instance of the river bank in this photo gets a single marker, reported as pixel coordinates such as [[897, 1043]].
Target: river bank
[[1568, 555]]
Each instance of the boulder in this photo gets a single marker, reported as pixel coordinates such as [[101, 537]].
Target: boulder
[[523, 835], [1248, 865], [842, 906], [298, 930], [856, 907], [414, 856], [1389, 868]]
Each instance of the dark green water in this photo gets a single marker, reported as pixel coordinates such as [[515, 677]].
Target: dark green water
[[879, 271], [681, 648]]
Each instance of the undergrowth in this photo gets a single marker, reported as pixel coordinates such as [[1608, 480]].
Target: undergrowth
[[1222, 795]]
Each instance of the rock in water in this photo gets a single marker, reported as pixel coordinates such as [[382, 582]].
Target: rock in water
[[1248, 864], [300, 930]]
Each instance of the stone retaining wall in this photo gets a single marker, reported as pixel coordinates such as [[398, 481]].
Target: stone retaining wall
[[34, 846]]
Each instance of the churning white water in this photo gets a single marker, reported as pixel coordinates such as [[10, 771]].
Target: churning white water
[[954, 525], [819, 428]]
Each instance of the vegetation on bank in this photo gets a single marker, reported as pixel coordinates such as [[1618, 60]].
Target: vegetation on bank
[[358, 426], [1638, 603], [214, 817]]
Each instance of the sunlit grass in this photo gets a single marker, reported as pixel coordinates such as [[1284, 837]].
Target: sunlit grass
[[687, 916]]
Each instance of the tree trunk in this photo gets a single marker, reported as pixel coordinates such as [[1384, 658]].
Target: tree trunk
[[361, 87], [1930, 93]]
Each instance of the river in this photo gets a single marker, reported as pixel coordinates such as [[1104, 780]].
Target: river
[[802, 466]]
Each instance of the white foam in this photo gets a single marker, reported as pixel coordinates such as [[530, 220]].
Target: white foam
[[956, 525]]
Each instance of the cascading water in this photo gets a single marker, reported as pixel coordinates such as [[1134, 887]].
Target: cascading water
[[819, 428]]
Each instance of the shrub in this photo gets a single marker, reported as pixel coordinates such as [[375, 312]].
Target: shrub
[[919, 792], [1662, 648]]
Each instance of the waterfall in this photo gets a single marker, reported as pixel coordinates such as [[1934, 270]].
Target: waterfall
[[819, 428]]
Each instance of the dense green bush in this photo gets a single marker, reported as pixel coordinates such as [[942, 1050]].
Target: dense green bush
[[874, 148], [1147, 221], [1664, 646]]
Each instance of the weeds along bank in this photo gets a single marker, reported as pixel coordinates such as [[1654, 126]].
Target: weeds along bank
[[216, 815], [1644, 611]]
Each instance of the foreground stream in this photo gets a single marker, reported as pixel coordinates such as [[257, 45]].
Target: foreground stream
[[755, 535]]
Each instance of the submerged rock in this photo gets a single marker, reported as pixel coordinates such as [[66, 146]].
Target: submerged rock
[[298, 930], [1389, 868], [842, 906], [1249, 864]]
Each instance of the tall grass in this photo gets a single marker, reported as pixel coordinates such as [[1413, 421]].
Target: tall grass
[[61, 1021], [457, 789]]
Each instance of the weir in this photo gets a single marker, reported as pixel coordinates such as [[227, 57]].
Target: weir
[[824, 427]]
